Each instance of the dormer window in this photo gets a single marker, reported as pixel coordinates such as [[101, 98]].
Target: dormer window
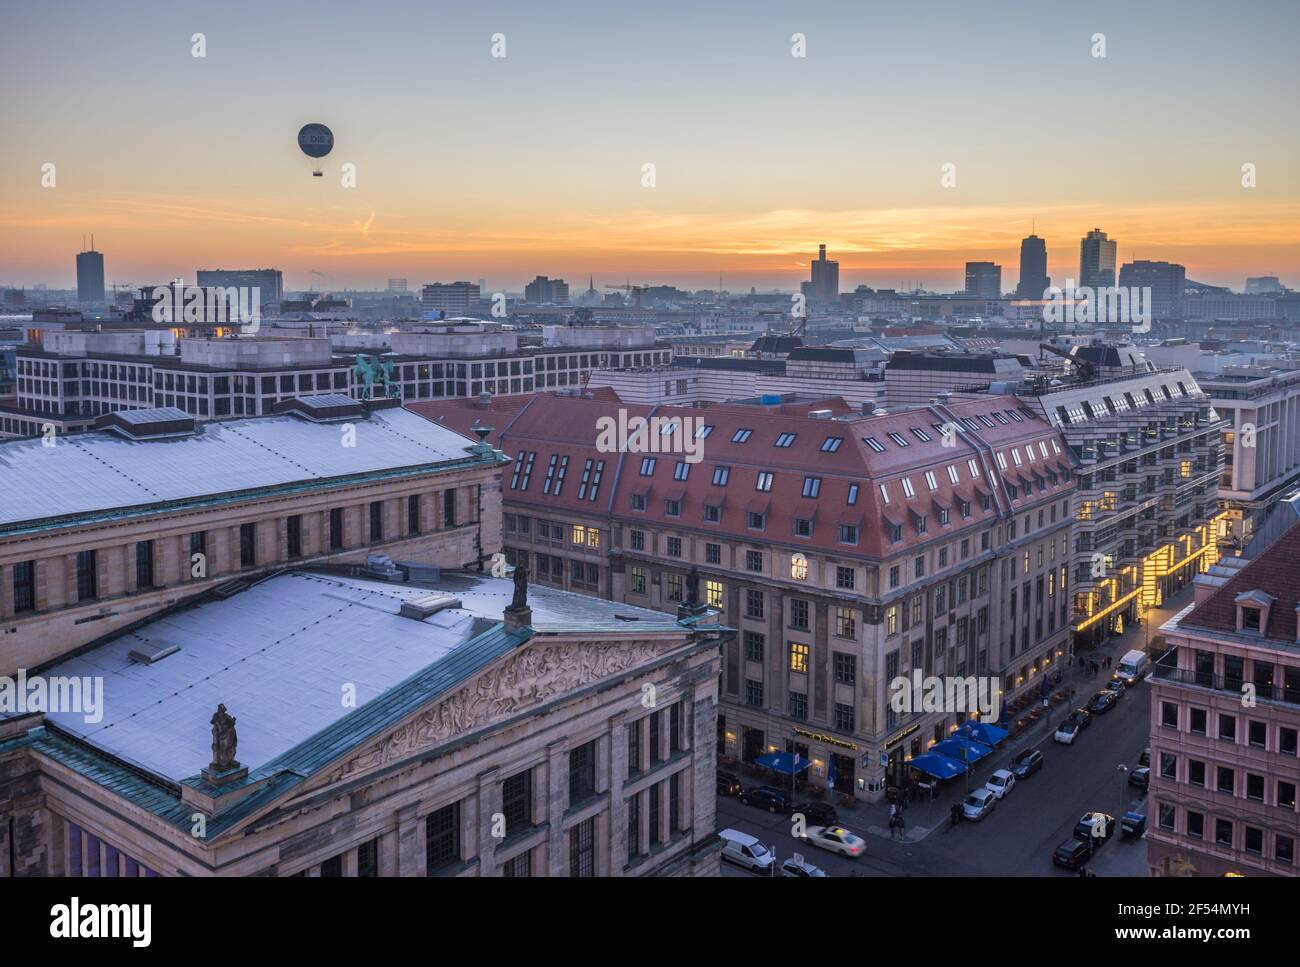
[[1252, 611]]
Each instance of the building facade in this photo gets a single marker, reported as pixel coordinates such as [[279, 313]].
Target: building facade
[[483, 739], [849, 551], [1225, 716], [154, 508]]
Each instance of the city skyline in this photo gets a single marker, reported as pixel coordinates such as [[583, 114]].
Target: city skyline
[[759, 155]]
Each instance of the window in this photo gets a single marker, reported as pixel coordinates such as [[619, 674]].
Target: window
[[845, 720], [753, 603], [785, 440], [853, 495], [831, 444], [376, 520], [517, 802], [582, 848], [1254, 840], [1284, 849], [898, 438], [25, 586], [713, 593], [720, 476], [846, 668], [741, 435], [247, 544], [930, 481], [636, 580], [845, 578], [753, 692], [1195, 824], [802, 528], [713, 553], [754, 561], [764, 481], [755, 520], [1166, 816], [682, 471], [634, 748], [676, 588], [812, 486], [293, 536], [846, 622], [907, 486], [799, 706], [874, 444], [647, 466], [712, 513], [442, 838], [368, 859], [799, 614], [144, 565], [848, 534], [673, 547], [582, 772], [413, 514], [755, 644], [798, 657]]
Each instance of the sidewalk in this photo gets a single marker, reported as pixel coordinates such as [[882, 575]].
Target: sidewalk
[[924, 817]]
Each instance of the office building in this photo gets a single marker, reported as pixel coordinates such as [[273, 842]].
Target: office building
[[824, 284], [544, 291], [450, 298], [1096, 260], [983, 280], [848, 550], [268, 282], [90, 277], [1166, 280], [1034, 280]]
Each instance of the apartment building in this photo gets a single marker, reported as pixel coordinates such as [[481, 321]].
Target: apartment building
[[105, 529], [483, 741], [848, 550], [1225, 721]]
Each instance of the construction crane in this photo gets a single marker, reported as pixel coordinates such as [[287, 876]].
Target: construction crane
[[1086, 369], [628, 287]]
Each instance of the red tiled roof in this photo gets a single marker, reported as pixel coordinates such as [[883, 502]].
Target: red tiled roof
[[1273, 572], [560, 432]]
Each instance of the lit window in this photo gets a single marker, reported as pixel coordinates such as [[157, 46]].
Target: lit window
[[713, 593], [799, 567], [798, 657]]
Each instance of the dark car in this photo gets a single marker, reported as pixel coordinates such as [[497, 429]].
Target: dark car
[[765, 797], [1026, 764], [801, 868], [1072, 854], [728, 785], [1140, 777], [1102, 702], [1096, 828], [1082, 716], [1117, 686], [818, 814]]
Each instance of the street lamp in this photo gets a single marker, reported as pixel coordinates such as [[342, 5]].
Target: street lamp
[[1121, 770]]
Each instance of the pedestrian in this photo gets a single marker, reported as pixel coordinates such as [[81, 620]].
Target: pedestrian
[[955, 812], [902, 828]]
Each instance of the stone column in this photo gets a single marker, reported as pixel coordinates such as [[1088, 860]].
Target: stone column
[[410, 843], [7, 591], [557, 799], [700, 780], [488, 807], [617, 774]]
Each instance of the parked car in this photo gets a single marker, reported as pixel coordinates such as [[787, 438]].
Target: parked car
[[1140, 777], [978, 805], [728, 784], [1027, 763], [818, 813], [1067, 732], [765, 797], [1132, 666], [1000, 783], [1117, 686], [745, 850], [1072, 854], [836, 839], [1145, 758], [801, 867], [1095, 828], [1102, 702], [1083, 717]]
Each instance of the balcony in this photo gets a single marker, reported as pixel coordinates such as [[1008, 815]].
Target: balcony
[[1278, 694]]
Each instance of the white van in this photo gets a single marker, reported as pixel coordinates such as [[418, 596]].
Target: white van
[[745, 850], [1132, 667]]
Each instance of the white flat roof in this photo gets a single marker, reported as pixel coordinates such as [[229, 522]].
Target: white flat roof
[[99, 471]]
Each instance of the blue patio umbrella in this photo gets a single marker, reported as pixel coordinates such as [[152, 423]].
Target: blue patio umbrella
[[939, 766], [963, 749], [982, 732], [784, 763]]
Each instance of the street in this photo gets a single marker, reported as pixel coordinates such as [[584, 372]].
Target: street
[[1017, 838]]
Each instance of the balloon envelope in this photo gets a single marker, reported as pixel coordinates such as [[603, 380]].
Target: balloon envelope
[[315, 140]]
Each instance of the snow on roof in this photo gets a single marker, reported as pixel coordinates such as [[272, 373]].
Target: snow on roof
[[100, 471], [280, 654]]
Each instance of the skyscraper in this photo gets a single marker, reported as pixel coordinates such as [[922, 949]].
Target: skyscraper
[[90, 276], [1034, 280], [983, 280], [268, 282], [825, 283], [1096, 260], [543, 290]]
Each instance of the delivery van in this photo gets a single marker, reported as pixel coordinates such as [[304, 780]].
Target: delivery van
[[1132, 667]]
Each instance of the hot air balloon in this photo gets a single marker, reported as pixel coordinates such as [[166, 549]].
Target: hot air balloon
[[316, 141]]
